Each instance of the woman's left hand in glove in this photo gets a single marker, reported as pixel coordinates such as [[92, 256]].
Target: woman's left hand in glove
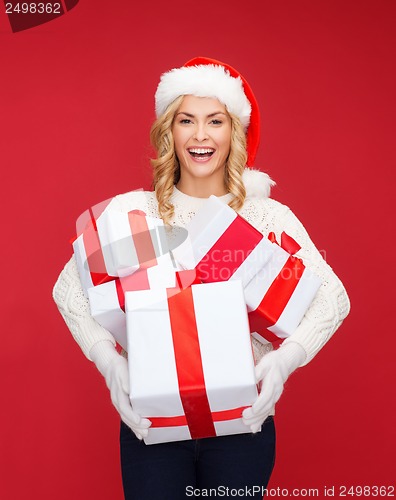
[[272, 371]]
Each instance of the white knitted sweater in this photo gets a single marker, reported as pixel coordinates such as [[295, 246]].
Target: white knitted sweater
[[325, 315]]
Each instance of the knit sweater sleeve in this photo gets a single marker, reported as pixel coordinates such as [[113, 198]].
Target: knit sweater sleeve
[[74, 308], [331, 304]]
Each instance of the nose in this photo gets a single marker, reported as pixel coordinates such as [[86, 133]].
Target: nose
[[200, 132]]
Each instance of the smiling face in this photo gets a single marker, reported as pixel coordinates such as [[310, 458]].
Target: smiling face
[[202, 136]]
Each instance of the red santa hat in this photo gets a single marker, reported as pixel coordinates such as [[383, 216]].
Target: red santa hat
[[205, 77]]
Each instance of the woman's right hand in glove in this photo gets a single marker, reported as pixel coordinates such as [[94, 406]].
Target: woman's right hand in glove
[[114, 369]]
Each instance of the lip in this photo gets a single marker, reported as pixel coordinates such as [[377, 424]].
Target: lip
[[197, 159]]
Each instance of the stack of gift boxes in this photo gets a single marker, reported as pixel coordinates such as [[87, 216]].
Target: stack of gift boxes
[[185, 315]]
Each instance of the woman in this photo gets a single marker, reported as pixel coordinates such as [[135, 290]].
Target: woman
[[206, 132]]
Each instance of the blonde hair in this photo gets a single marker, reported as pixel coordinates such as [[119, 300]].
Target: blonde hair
[[166, 168]]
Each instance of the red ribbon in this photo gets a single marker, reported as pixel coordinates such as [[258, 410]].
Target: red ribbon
[[217, 416], [136, 281], [278, 295], [287, 242], [142, 239], [189, 365], [238, 240]]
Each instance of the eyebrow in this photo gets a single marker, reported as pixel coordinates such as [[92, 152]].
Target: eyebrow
[[209, 116]]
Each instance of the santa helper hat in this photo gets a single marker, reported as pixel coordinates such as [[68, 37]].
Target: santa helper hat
[[205, 77]]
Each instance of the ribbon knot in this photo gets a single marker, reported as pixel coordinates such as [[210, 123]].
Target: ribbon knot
[[288, 244]]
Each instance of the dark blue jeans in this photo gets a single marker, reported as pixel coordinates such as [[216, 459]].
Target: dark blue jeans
[[184, 469]]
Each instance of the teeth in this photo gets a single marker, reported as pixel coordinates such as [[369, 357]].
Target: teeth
[[201, 151]]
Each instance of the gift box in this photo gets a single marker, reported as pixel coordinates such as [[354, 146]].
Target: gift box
[[281, 292], [221, 245], [116, 244], [87, 249], [190, 360], [131, 241], [107, 301]]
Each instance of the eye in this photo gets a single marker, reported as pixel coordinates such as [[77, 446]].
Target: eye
[[216, 122], [185, 120]]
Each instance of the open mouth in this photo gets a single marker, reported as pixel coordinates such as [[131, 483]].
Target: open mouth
[[201, 153]]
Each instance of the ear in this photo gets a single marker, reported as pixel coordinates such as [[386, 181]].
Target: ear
[[257, 184]]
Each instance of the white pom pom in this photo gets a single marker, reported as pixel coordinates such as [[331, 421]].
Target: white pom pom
[[257, 184]]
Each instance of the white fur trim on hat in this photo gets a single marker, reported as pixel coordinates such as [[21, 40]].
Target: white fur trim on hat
[[204, 80], [257, 184]]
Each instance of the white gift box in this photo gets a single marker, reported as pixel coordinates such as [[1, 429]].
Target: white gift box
[[131, 241], [82, 263], [221, 245], [107, 300], [280, 294], [86, 246], [117, 244], [190, 350]]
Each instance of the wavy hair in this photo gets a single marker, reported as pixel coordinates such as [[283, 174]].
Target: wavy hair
[[166, 167]]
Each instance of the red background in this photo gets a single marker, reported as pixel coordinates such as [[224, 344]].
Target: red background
[[76, 107]]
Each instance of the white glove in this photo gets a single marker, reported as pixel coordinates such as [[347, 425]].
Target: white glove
[[114, 369], [273, 370]]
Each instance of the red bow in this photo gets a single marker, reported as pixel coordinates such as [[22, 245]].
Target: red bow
[[287, 242]]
